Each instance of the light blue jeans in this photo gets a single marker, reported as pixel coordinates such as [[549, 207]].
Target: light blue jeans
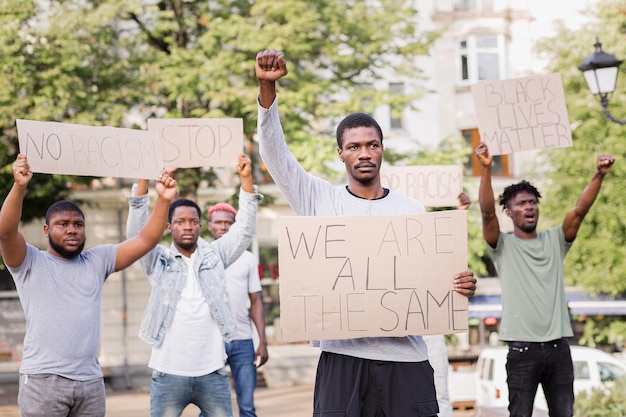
[[170, 394], [56, 396], [241, 360]]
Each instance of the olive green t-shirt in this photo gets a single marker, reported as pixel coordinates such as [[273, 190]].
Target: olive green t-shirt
[[534, 307]]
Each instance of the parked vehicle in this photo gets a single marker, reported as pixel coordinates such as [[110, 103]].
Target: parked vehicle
[[593, 368]]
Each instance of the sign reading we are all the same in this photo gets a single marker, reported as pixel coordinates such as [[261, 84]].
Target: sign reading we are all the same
[[351, 277]]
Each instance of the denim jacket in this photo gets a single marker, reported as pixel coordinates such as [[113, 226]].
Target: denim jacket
[[167, 271]]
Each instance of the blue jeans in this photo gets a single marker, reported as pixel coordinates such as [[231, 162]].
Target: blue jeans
[[241, 357], [170, 394], [56, 396], [529, 364]]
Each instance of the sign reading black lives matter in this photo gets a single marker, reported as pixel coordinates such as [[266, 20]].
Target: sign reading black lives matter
[[521, 114], [199, 142], [351, 277], [64, 148]]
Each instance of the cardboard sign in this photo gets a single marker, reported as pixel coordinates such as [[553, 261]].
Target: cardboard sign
[[350, 277], [189, 143], [64, 148], [521, 114], [433, 186]]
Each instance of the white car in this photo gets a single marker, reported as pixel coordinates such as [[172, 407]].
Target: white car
[[593, 368]]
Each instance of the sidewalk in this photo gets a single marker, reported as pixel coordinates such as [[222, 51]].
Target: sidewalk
[[295, 401]]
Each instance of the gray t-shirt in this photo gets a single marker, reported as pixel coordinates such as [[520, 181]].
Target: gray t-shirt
[[61, 300], [534, 307], [312, 196]]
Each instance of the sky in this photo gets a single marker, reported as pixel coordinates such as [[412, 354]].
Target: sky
[[547, 11]]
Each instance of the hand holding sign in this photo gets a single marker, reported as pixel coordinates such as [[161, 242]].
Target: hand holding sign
[[21, 171], [482, 152], [166, 186]]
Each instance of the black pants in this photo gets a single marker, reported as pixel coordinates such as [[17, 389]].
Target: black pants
[[355, 387]]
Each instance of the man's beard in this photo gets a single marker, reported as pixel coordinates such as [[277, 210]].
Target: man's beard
[[529, 229], [64, 252], [186, 246]]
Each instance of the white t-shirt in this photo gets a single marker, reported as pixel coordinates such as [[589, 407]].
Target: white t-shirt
[[242, 279], [193, 344]]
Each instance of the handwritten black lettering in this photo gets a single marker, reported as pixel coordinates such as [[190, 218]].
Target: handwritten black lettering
[[388, 306], [330, 312], [414, 307], [356, 312], [328, 240], [51, 143], [389, 237], [345, 272], [302, 239]]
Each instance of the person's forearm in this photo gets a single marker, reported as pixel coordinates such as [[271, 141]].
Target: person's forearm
[[152, 232], [485, 192], [247, 184], [258, 318], [142, 187], [267, 93], [589, 194], [11, 212]]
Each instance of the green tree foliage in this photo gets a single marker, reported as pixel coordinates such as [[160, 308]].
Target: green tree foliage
[[202, 60], [596, 260], [92, 61], [602, 402], [64, 65]]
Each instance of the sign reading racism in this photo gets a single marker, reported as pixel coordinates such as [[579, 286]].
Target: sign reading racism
[[350, 277], [64, 148], [188, 143], [521, 114], [432, 185]]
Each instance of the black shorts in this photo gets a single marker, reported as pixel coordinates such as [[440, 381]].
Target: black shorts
[[346, 386]]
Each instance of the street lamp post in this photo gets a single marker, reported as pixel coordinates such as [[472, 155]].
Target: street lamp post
[[600, 71]]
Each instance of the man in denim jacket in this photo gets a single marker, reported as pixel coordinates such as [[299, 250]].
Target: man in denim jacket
[[188, 317]]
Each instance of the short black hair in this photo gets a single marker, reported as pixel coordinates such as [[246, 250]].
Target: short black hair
[[512, 190], [357, 120], [60, 207], [182, 202]]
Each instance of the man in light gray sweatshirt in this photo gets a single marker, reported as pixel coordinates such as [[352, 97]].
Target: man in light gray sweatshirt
[[369, 376]]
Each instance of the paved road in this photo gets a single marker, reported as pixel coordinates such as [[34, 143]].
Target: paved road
[[295, 401]]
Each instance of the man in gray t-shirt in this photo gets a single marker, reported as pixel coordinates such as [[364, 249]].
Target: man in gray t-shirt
[[60, 290], [383, 375]]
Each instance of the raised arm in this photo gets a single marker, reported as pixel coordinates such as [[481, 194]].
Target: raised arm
[[270, 66], [12, 243], [491, 226], [575, 217], [150, 234]]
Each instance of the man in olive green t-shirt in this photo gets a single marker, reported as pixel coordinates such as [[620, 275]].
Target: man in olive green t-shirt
[[535, 321]]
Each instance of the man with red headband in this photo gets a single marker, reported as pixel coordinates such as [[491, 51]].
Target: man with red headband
[[243, 284]]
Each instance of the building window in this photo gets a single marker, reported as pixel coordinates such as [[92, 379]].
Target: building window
[[480, 57], [500, 164], [395, 115]]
